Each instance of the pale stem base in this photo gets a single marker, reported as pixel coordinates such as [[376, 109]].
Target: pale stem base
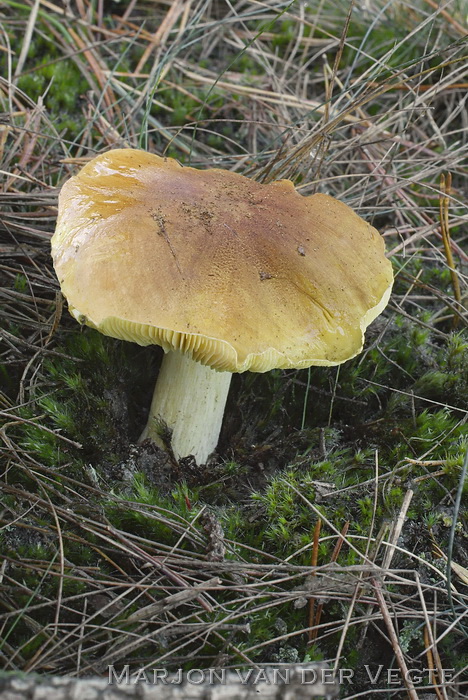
[[190, 399]]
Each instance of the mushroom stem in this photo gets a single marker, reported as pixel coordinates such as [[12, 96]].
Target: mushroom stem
[[190, 399]]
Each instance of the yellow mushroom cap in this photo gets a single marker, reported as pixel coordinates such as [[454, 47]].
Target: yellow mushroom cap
[[239, 275]]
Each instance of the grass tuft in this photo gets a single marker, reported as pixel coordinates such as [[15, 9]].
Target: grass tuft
[[346, 488]]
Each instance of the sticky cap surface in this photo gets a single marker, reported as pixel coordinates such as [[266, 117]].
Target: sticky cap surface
[[240, 275]]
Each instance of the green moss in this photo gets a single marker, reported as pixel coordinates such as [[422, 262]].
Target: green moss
[[91, 385], [284, 32], [21, 283], [60, 85], [304, 444]]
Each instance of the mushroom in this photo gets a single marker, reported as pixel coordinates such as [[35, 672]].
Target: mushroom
[[225, 273]]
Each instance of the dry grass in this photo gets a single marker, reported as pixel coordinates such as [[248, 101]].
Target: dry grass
[[367, 102]]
